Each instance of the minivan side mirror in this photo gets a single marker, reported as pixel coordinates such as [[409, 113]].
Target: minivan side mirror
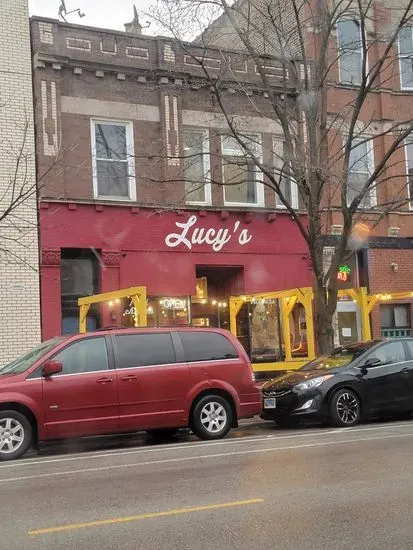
[[52, 367], [372, 362]]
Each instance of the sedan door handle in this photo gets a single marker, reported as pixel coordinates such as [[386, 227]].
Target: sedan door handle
[[129, 377], [104, 380], [405, 370]]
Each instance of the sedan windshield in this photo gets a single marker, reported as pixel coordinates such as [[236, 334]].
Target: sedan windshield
[[340, 357], [25, 361]]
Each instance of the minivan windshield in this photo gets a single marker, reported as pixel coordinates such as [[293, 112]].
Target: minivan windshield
[[25, 361], [340, 357]]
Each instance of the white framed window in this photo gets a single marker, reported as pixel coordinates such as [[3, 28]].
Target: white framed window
[[350, 51], [408, 147], [242, 181], [288, 185], [406, 58], [360, 168], [113, 160], [196, 170]]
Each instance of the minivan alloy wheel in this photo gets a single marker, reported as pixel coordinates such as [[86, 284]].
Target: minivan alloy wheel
[[213, 417], [347, 408], [11, 435]]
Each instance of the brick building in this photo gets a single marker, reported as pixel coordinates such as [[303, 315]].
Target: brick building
[[150, 213], [19, 281], [135, 198]]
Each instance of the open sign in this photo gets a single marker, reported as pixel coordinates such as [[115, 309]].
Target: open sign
[[172, 303]]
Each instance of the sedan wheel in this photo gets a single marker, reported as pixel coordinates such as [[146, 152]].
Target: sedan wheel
[[212, 417], [345, 408], [15, 435]]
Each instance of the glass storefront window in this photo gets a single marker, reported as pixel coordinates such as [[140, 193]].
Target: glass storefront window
[[160, 312], [173, 311], [265, 330]]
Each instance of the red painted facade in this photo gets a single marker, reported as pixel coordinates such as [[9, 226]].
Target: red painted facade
[[133, 250]]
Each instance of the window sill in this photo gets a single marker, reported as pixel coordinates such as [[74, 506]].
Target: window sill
[[243, 205], [200, 204], [283, 208], [114, 198], [348, 85]]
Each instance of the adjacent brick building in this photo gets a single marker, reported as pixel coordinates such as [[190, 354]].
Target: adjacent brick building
[[384, 263], [19, 279]]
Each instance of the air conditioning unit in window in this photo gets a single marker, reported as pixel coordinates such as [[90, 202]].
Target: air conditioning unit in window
[[336, 229], [393, 232]]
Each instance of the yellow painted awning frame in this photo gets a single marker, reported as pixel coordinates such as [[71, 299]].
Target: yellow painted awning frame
[[136, 293], [289, 298]]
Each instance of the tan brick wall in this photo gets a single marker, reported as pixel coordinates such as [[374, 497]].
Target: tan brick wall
[[19, 281]]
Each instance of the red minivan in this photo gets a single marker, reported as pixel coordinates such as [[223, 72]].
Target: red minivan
[[125, 380]]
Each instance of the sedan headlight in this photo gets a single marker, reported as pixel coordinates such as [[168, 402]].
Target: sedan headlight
[[313, 382]]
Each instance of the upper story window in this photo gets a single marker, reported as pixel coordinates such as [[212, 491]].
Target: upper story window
[[287, 184], [361, 166], [409, 167], [350, 51], [406, 58], [113, 162], [196, 166], [241, 178]]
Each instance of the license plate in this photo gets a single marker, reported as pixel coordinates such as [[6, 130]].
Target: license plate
[[270, 403]]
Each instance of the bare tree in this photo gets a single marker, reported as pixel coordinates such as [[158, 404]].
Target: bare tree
[[345, 163], [18, 192]]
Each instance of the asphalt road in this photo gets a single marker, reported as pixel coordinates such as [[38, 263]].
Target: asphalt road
[[313, 488]]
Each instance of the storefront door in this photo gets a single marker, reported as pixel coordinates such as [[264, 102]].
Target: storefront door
[[347, 325]]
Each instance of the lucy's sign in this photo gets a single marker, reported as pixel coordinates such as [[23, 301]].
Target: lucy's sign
[[216, 238]]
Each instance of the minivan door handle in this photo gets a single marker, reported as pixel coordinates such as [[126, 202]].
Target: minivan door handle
[[129, 378], [104, 380]]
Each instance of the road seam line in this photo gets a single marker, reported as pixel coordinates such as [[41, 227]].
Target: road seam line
[[183, 446], [199, 457], [157, 448]]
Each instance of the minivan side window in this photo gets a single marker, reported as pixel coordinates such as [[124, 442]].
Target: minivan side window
[[144, 350], [207, 346], [87, 355]]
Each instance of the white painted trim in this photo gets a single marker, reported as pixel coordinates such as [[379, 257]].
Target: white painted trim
[[370, 162], [293, 183], [400, 56], [339, 51], [259, 177], [406, 161], [130, 159], [207, 165]]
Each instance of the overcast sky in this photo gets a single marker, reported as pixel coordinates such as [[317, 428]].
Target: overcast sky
[[111, 14]]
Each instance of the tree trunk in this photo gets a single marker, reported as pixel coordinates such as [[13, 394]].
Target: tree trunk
[[323, 319]]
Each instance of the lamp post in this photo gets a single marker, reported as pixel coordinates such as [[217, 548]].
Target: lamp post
[[221, 305]]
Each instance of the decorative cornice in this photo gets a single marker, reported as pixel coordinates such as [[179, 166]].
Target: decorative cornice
[[51, 257], [111, 258]]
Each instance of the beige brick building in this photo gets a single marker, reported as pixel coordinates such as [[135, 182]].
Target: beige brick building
[[19, 279]]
